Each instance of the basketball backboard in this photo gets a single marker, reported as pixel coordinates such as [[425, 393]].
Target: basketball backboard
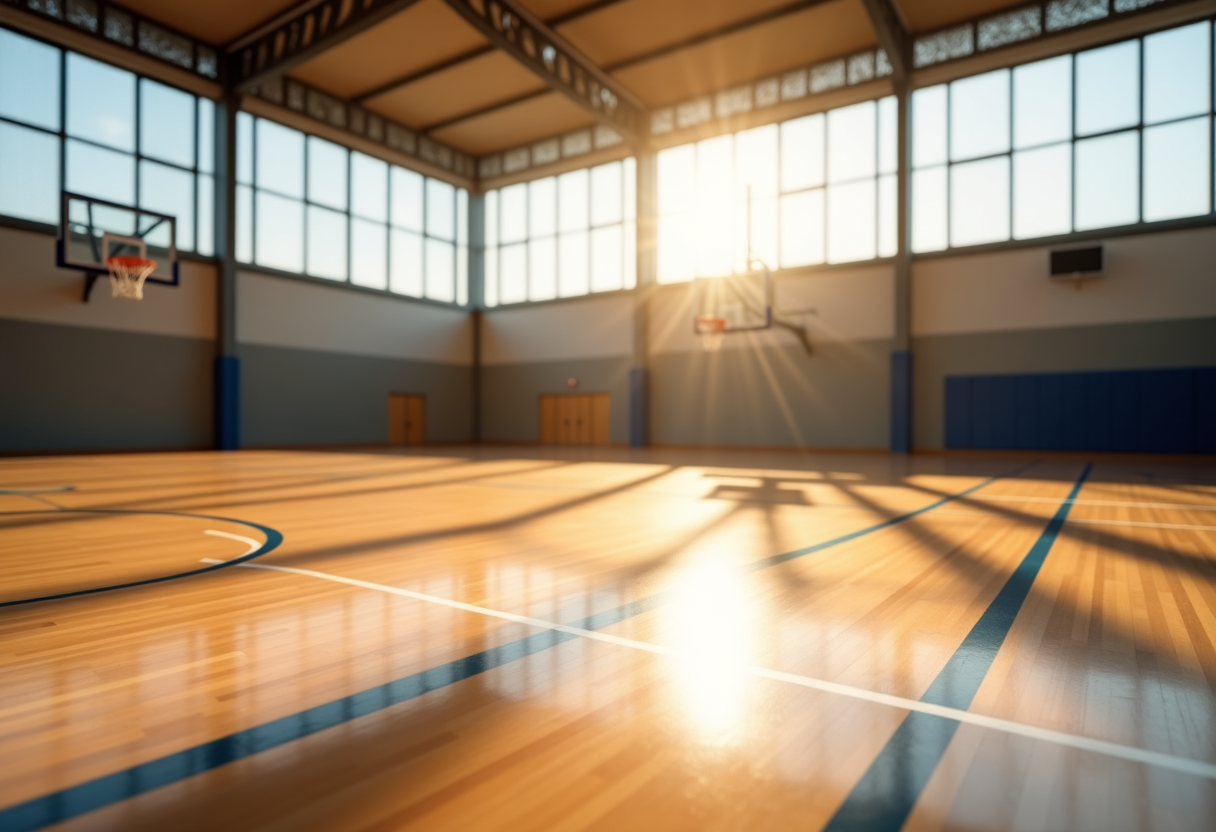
[[741, 301], [93, 230]]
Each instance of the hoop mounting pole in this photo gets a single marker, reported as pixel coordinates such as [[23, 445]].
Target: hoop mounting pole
[[90, 278]]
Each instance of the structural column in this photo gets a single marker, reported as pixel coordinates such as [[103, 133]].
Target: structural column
[[227, 364], [477, 297], [901, 354], [647, 272]]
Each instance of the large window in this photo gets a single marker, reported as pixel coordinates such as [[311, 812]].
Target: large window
[[817, 189], [562, 236], [1109, 137], [310, 206], [70, 122]]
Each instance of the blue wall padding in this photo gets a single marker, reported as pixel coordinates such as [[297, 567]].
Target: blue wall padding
[[227, 403], [639, 407], [1170, 411]]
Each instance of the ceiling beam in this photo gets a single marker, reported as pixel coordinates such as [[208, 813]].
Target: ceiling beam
[[301, 34], [510, 27], [892, 36], [484, 111]]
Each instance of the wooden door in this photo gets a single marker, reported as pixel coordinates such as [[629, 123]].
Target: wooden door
[[574, 419], [548, 420], [582, 420], [599, 418], [406, 419]]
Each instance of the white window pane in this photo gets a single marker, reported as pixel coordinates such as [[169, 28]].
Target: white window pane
[[405, 263], [440, 209], [205, 244], [440, 270], [852, 142], [631, 253], [1176, 78], [280, 164], [513, 220], [542, 207], [677, 254], [29, 174], [929, 209], [802, 153], [607, 203], [327, 164], [573, 264], [206, 135], [29, 80], [513, 273], [244, 148], [491, 231], [607, 259], [1108, 193], [105, 174], [170, 191], [929, 126], [542, 269], [1042, 191], [326, 243], [1042, 102], [491, 277], [166, 123], [888, 134], [762, 240], [101, 102], [1177, 172], [462, 217], [1108, 88], [888, 216], [462, 275], [979, 115], [407, 199], [716, 204], [756, 160], [979, 202], [244, 223], [368, 253], [676, 175], [802, 229], [369, 188], [851, 221], [574, 199], [631, 189], [279, 228]]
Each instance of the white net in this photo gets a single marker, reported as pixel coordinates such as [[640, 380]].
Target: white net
[[712, 330], [127, 276]]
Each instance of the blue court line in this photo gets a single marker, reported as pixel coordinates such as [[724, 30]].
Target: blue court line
[[883, 798], [172, 768], [273, 539]]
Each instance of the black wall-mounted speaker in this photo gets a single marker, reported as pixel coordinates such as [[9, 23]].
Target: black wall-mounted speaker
[[1076, 261]]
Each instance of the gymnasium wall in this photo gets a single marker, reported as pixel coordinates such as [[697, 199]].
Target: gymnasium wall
[[107, 374], [998, 313], [318, 363], [532, 350]]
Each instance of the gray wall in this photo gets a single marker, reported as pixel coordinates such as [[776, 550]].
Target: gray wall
[[510, 395], [76, 388]]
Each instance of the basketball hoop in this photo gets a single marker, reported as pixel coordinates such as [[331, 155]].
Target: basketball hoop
[[712, 330], [127, 276]]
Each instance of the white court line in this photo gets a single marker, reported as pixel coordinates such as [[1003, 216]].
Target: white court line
[[1117, 503], [253, 544], [1197, 768], [1146, 525]]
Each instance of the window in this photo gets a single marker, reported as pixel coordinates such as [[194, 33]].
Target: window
[[123, 137], [562, 236], [310, 206], [817, 189], [1108, 137]]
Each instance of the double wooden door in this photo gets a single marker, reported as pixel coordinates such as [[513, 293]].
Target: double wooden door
[[406, 419], [574, 419]]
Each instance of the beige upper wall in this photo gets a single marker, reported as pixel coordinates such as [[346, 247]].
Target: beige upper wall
[[856, 304], [287, 312], [1149, 277], [33, 289], [594, 327]]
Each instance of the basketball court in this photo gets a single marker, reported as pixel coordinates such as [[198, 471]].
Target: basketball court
[[630, 414]]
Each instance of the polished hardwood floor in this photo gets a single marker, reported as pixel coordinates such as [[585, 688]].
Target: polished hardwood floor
[[523, 639]]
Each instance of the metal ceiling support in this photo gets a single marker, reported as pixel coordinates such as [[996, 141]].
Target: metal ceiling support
[[514, 30], [892, 36], [420, 74], [302, 34]]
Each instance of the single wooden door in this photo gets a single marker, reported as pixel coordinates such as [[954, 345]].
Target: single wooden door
[[406, 419], [599, 418], [548, 420]]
